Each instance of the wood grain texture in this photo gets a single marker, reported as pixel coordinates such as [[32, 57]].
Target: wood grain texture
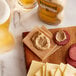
[[41, 54], [57, 57]]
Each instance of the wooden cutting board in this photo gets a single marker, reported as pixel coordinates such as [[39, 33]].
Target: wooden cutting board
[[59, 56]]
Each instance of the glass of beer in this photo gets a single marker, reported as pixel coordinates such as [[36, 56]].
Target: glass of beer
[[27, 4], [6, 38]]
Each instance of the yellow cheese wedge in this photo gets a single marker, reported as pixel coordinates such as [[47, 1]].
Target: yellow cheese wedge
[[51, 69], [58, 72], [35, 66], [70, 71], [41, 71], [62, 67], [44, 70]]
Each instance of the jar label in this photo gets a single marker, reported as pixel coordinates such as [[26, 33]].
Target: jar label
[[53, 7], [50, 9]]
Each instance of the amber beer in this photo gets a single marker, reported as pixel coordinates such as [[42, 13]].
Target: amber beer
[[5, 24], [4, 15], [27, 4], [6, 38]]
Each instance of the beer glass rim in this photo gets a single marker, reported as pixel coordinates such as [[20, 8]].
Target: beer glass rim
[[7, 12], [28, 6]]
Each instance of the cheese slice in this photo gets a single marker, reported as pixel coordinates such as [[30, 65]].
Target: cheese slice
[[41, 71], [44, 70], [62, 67], [58, 72], [35, 66], [70, 71], [51, 69]]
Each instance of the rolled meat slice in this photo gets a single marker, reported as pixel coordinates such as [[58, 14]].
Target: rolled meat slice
[[71, 62], [72, 52], [61, 37]]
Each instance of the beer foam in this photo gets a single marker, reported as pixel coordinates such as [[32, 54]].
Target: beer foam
[[4, 11]]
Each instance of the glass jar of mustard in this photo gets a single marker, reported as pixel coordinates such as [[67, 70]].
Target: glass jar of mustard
[[51, 11]]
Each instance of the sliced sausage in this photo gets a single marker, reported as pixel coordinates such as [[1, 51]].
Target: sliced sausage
[[72, 52], [64, 42], [71, 62]]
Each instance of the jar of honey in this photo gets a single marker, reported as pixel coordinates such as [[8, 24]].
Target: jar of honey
[[51, 11]]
